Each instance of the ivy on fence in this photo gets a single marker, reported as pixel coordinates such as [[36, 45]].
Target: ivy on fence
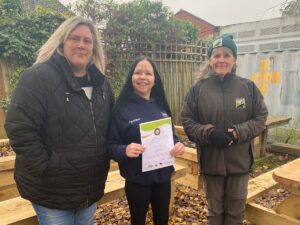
[[22, 34], [133, 28]]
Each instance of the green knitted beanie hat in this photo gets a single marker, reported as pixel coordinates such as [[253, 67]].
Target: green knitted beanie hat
[[225, 40]]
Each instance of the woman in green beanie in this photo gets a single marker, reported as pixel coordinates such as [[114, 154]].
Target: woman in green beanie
[[223, 113]]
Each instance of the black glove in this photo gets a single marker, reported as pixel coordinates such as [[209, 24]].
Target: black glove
[[230, 134], [219, 138]]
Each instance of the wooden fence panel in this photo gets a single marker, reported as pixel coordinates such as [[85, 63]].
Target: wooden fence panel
[[178, 65]]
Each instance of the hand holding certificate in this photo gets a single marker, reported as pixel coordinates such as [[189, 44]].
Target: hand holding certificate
[[157, 138]]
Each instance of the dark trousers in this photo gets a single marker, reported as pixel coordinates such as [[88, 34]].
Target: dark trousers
[[226, 197], [139, 197]]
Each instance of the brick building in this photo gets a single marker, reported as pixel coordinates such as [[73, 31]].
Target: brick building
[[205, 28]]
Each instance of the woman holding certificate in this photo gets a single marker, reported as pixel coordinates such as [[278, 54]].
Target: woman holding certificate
[[143, 100]]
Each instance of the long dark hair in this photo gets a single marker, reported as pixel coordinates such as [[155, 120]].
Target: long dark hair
[[157, 91]]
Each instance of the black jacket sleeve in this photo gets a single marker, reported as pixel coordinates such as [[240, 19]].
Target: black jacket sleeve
[[25, 117], [195, 131], [111, 96]]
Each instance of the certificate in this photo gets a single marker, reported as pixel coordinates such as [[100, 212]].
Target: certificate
[[157, 138]]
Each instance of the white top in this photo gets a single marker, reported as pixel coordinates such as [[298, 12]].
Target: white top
[[88, 91]]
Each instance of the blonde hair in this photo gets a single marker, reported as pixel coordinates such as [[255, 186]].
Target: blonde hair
[[57, 39], [206, 71]]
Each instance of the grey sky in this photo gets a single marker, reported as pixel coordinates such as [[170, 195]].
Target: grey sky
[[224, 12]]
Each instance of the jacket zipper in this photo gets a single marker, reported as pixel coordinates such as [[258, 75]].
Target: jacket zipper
[[96, 141], [223, 98], [94, 127], [93, 118], [224, 122], [87, 197]]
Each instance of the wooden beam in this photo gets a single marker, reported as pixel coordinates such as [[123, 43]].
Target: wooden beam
[[8, 187], [260, 215], [8, 210], [272, 121], [290, 207], [179, 130], [260, 185], [179, 172], [275, 121], [285, 148], [288, 175], [190, 161], [19, 211], [7, 178], [113, 187], [189, 154], [113, 166], [192, 167], [29, 221], [7, 163], [190, 180], [8, 192], [4, 142]]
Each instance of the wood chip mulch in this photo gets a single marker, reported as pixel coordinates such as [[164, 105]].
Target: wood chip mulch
[[190, 205], [6, 151], [272, 198], [190, 208]]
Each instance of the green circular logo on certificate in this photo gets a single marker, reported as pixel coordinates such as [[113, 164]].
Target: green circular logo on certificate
[[157, 131]]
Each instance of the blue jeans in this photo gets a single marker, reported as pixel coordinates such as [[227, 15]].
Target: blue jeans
[[47, 216]]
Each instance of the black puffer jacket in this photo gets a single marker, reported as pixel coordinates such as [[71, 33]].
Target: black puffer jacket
[[59, 136]]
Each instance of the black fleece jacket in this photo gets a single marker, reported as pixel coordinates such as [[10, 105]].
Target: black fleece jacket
[[215, 103]]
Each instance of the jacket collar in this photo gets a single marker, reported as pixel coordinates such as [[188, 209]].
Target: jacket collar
[[136, 98], [227, 78], [60, 61]]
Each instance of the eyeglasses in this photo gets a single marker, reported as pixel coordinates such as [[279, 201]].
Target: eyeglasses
[[77, 39]]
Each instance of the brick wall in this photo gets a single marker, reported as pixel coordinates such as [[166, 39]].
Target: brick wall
[[205, 29]]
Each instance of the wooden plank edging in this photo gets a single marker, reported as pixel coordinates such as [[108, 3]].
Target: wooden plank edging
[[259, 185], [285, 148], [7, 163], [18, 210], [4, 142], [260, 215]]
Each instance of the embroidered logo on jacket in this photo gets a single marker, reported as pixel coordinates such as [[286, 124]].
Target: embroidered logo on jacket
[[134, 120], [240, 103], [164, 114]]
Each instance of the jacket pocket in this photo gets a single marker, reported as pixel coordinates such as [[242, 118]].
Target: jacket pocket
[[53, 165]]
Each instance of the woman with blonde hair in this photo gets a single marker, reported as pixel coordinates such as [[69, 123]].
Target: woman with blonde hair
[[57, 124]]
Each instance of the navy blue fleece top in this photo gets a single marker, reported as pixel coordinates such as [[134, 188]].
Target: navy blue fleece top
[[124, 130]]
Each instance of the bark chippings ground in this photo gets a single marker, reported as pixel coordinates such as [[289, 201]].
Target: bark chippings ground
[[190, 206]]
